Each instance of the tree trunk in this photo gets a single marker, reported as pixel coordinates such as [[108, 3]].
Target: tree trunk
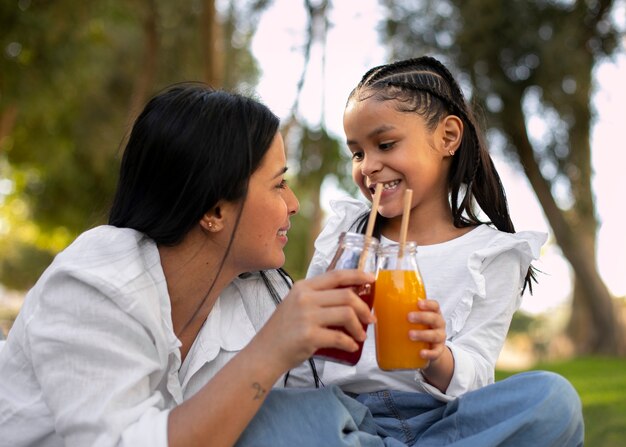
[[144, 82], [593, 304], [7, 122], [586, 338], [212, 45]]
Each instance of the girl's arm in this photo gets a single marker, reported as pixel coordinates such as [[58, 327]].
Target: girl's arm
[[440, 369], [475, 349]]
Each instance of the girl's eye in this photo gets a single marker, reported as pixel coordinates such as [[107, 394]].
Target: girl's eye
[[357, 156], [386, 146], [282, 184]]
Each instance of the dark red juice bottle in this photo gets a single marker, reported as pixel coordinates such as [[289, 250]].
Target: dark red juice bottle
[[355, 250]]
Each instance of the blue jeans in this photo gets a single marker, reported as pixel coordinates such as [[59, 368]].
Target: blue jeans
[[528, 409], [305, 417]]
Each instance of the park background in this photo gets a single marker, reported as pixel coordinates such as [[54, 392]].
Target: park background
[[548, 74]]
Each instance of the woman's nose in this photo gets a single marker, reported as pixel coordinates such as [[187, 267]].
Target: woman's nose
[[293, 205]]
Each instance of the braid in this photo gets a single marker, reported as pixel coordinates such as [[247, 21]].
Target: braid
[[445, 73], [425, 86], [377, 73]]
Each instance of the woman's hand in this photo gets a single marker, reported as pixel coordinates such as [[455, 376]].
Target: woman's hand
[[300, 324], [297, 328], [441, 367]]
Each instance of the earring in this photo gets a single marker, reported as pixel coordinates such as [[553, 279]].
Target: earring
[[451, 153], [210, 226]]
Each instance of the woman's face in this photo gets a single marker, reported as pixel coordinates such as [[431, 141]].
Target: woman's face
[[262, 232]]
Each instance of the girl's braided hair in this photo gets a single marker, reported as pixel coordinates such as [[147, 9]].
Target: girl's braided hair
[[425, 86]]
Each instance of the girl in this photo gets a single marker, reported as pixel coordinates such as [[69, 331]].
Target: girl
[[408, 125], [102, 352]]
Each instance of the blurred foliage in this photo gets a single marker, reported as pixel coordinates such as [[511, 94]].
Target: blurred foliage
[[70, 79], [318, 157], [521, 323], [68, 74]]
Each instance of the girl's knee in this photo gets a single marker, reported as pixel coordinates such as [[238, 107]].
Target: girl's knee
[[557, 398], [553, 410], [558, 387], [549, 391]]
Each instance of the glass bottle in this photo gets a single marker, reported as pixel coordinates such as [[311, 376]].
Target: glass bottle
[[399, 287], [353, 249]]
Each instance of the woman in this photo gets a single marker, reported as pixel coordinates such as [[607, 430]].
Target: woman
[[99, 352]]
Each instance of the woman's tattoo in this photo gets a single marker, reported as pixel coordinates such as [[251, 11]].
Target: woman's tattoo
[[260, 391]]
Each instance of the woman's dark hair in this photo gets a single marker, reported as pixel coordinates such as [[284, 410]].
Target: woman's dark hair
[[190, 147], [425, 86]]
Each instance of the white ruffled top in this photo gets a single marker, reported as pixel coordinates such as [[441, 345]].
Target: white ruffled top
[[477, 279]]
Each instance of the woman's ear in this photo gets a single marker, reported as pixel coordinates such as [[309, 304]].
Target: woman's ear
[[452, 133], [217, 218], [213, 220]]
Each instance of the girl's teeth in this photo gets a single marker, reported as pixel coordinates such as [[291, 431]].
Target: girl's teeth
[[391, 184], [282, 232], [386, 186]]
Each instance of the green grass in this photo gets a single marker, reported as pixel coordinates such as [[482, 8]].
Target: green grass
[[601, 384]]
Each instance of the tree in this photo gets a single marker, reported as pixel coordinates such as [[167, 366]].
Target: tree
[[317, 155], [535, 60], [72, 79]]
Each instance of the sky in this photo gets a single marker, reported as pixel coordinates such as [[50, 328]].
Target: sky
[[352, 47]]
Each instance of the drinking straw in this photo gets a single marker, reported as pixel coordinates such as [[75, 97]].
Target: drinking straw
[[404, 226], [370, 223]]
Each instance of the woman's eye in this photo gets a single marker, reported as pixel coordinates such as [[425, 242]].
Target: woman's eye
[[387, 145], [282, 184]]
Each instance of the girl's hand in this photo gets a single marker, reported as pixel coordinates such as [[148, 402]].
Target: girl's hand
[[429, 315], [300, 324], [441, 367]]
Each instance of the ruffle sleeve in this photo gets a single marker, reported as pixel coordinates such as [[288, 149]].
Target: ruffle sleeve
[[478, 324], [525, 245], [345, 213]]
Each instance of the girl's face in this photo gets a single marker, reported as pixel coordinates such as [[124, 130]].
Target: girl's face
[[262, 231], [396, 149]]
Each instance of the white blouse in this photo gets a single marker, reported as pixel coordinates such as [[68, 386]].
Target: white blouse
[[92, 358], [477, 279]]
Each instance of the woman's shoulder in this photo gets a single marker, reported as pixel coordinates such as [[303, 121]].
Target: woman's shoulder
[[108, 271], [107, 257]]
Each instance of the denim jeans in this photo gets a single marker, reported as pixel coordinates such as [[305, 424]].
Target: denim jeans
[[528, 409], [296, 417]]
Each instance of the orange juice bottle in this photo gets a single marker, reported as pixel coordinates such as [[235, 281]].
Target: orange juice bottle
[[398, 288], [355, 250]]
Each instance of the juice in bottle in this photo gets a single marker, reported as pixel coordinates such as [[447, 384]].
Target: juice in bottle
[[399, 286], [348, 256], [346, 357]]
